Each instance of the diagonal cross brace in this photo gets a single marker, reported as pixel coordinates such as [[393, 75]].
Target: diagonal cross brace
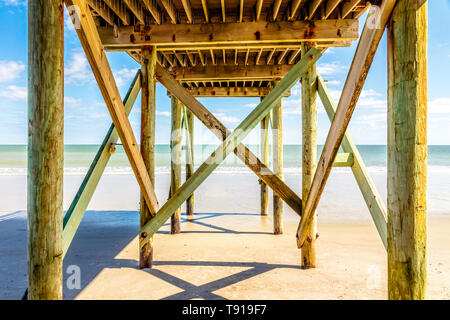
[[74, 215], [368, 189], [365, 52], [242, 152], [229, 144], [90, 41]]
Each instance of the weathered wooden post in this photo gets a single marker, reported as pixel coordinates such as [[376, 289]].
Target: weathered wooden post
[[148, 112], [277, 154], [189, 157], [45, 148], [175, 164], [407, 150], [264, 148], [309, 157]]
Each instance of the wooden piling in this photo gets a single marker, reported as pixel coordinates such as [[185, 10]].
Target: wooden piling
[[189, 118], [175, 172], [277, 153], [264, 149], [309, 158], [45, 148], [407, 150], [148, 112]]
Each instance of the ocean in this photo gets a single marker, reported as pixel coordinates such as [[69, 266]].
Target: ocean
[[77, 158]]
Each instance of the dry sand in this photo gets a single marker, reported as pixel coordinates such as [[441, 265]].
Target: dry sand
[[227, 252]]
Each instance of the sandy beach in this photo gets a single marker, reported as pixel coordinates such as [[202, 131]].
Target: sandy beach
[[228, 250]]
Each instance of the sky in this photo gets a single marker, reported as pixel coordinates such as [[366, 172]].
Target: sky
[[87, 119]]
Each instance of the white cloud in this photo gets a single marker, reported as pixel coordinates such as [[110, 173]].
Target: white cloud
[[440, 105], [13, 2], [14, 93], [227, 119], [375, 120], [332, 68], [163, 113], [124, 76], [72, 102], [10, 70], [250, 105], [78, 71]]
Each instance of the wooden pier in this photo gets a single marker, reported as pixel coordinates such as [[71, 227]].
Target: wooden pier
[[246, 48]]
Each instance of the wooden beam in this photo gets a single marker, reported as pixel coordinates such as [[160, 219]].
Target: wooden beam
[[330, 7], [264, 154], [45, 149], [148, 114], [258, 8], [241, 10], [313, 5], [344, 160], [231, 92], [309, 158], [231, 141], [170, 9], [276, 9], [224, 15], [227, 72], [189, 126], [348, 7], [120, 10], [152, 7], [295, 4], [136, 8], [102, 10], [368, 189], [75, 213], [188, 10], [98, 61], [407, 151], [205, 10], [175, 35], [367, 46], [277, 163], [175, 163]]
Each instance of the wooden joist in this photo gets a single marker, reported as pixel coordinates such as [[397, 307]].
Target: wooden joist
[[136, 8], [180, 35], [78, 207], [102, 10], [367, 46], [120, 10], [227, 72], [230, 92], [152, 7], [230, 142], [98, 61], [372, 197], [170, 9]]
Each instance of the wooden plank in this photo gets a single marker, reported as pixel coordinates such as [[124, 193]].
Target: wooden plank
[[261, 32], [170, 9], [205, 10], [86, 30], [330, 7], [189, 126], [309, 158], [102, 10], [74, 214], [313, 6], [264, 151], [367, 46], [136, 8], [295, 4], [120, 10], [152, 7], [243, 153], [231, 141], [348, 7], [258, 8], [344, 160], [148, 115], [407, 151], [368, 189], [227, 72], [276, 9], [45, 149], [277, 163], [175, 163], [188, 10], [231, 92]]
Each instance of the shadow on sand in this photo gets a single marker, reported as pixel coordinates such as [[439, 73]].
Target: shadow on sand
[[101, 237]]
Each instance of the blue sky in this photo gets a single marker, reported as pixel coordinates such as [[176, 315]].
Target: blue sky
[[87, 119]]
